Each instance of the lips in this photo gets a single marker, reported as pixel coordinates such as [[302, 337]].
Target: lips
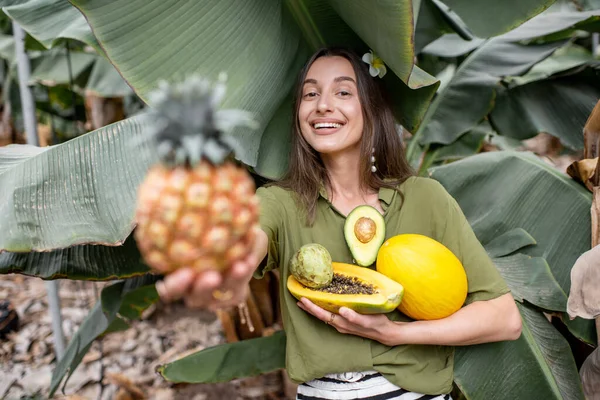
[[326, 126], [321, 125]]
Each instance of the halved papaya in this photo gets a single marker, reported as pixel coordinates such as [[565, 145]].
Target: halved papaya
[[386, 297]]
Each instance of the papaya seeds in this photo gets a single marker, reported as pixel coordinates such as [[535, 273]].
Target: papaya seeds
[[342, 284], [385, 294]]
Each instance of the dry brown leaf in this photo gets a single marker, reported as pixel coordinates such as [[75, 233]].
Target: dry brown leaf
[[591, 134], [596, 215], [590, 370], [129, 388], [583, 171], [584, 298]]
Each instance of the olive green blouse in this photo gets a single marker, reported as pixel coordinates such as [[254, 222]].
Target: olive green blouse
[[315, 348]]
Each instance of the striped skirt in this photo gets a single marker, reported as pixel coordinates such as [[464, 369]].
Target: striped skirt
[[369, 385]]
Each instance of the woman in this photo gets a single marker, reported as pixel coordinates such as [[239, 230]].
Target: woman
[[346, 152]]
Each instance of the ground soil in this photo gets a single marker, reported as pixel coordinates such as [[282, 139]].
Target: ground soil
[[119, 360]]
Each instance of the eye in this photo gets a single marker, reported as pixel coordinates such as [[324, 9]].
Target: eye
[[310, 95], [344, 93]]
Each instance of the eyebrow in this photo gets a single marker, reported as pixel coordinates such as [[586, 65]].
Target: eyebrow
[[337, 80]]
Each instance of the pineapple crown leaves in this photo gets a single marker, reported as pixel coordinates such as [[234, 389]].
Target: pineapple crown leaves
[[187, 126]]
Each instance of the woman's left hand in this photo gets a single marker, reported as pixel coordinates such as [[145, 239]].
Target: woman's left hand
[[350, 322]]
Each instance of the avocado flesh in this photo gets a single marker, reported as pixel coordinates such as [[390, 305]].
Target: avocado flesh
[[364, 231]]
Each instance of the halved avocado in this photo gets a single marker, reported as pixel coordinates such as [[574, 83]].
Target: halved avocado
[[364, 231], [388, 293]]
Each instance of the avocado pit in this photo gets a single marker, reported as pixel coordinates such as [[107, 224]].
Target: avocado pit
[[365, 229]]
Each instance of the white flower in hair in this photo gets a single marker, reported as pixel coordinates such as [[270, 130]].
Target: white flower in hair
[[376, 65]]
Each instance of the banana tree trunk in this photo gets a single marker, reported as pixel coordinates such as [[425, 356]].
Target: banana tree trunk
[[102, 111]]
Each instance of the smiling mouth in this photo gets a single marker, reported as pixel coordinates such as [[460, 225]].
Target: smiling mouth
[[327, 125]]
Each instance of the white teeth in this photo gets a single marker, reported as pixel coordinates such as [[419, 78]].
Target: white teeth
[[327, 125]]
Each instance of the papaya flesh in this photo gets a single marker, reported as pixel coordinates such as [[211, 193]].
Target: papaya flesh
[[387, 294]]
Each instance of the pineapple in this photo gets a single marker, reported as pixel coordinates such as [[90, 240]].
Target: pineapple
[[195, 208]]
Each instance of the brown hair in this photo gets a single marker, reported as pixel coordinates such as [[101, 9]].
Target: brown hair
[[306, 172]]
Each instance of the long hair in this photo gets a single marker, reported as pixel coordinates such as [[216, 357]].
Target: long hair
[[307, 173]]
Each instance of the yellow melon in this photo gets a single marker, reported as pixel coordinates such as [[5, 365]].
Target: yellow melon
[[434, 280]]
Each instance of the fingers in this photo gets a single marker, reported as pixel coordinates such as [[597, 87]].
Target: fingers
[[213, 289], [175, 285], [201, 292]]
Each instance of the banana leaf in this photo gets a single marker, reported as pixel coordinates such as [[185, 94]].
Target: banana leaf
[[55, 67], [229, 361], [529, 278], [119, 303], [505, 17], [474, 83], [105, 81], [82, 262], [539, 365], [558, 106], [502, 191], [79, 192], [564, 59], [477, 78], [434, 20], [48, 21]]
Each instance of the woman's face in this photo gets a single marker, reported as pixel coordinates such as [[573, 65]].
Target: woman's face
[[330, 114]]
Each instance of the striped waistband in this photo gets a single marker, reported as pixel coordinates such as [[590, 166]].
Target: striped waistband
[[369, 385]]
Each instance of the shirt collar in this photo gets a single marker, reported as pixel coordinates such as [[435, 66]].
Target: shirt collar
[[385, 194]]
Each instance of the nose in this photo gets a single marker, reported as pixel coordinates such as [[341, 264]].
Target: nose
[[324, 104]]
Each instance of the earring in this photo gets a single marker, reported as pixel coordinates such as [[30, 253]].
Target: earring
[[373, 167]]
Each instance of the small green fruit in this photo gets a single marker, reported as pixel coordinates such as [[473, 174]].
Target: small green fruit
[[311, 266]]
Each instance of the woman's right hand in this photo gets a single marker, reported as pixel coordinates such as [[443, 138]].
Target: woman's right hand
[[214, 289]]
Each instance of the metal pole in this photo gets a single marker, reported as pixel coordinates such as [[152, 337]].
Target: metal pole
[[29, 119]]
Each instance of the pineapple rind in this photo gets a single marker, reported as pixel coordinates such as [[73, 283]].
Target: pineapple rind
[[198, 217]]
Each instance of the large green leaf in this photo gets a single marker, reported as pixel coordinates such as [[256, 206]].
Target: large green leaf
[[539, 365], [49, 20], [105, 81], [529, 278], [501, 191], [86, 262], [554, 23], [229, 361], [79, 192], [563, 59], [452, 45], [167, 39], [474, 83], [7, 47], [503, 17], [477, 78], [558, 106], [55, 67], [120, 303], [13, 154]]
